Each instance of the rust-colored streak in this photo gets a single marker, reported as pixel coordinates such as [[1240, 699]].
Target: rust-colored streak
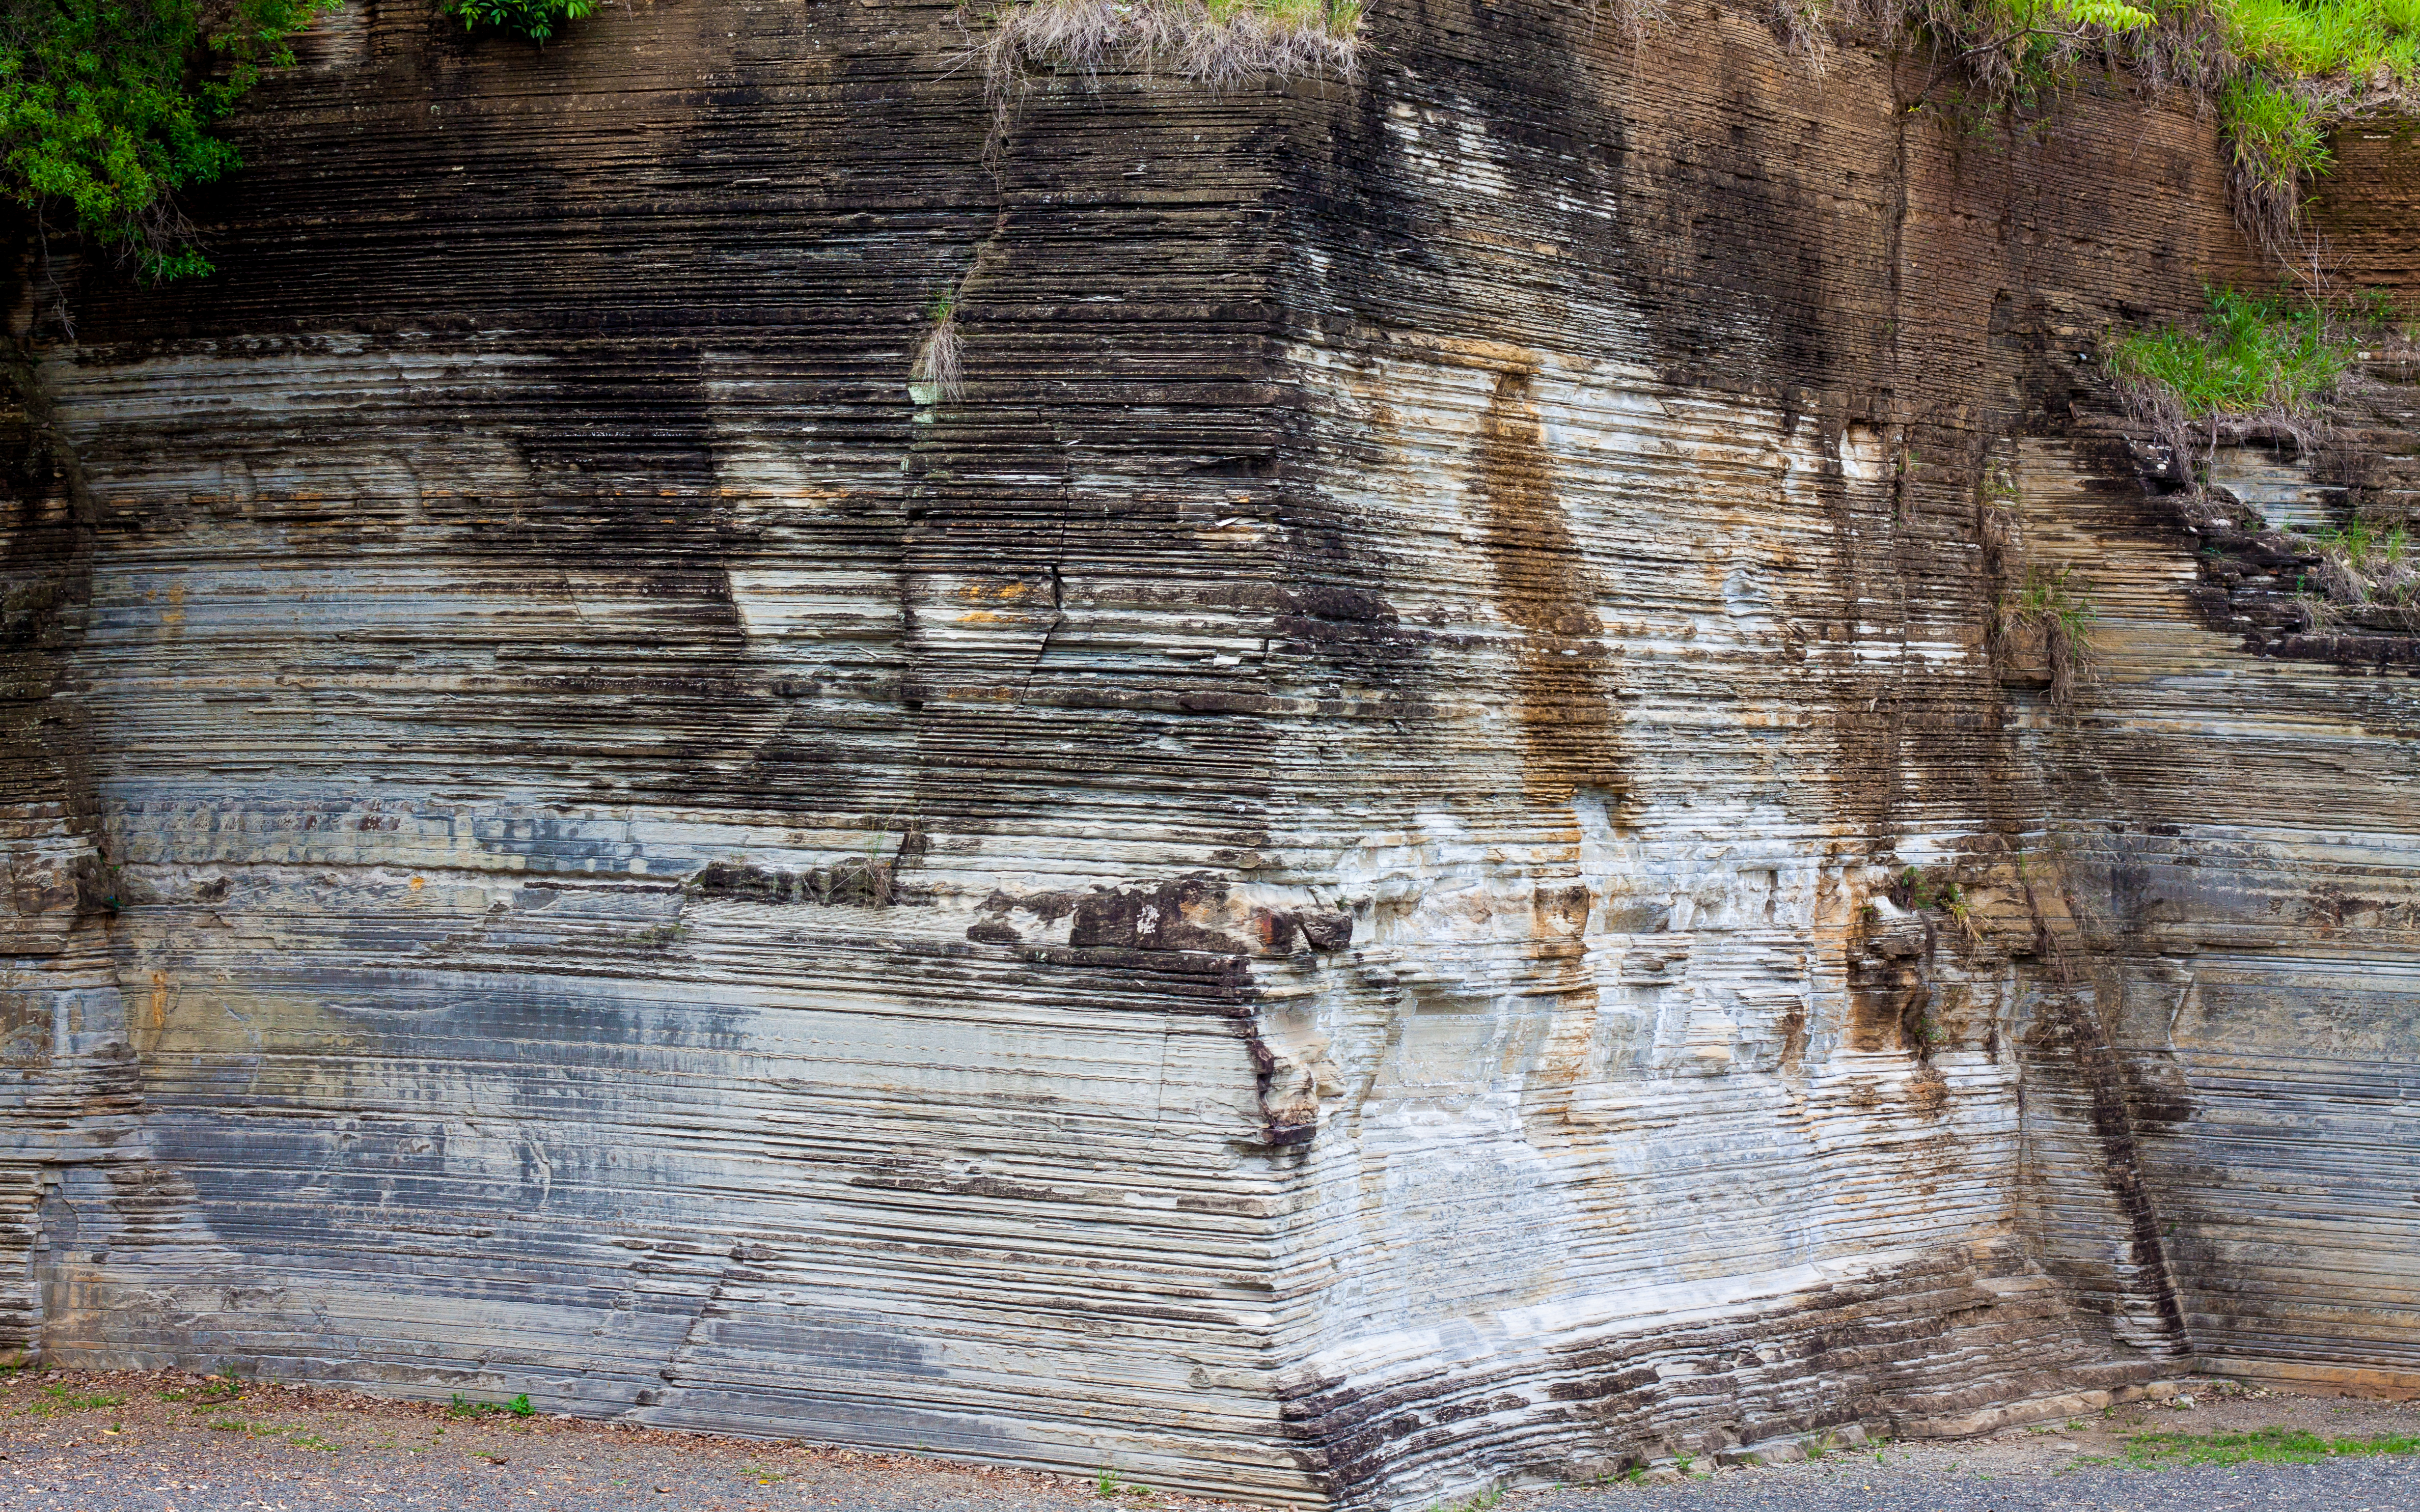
[[1559, 677]]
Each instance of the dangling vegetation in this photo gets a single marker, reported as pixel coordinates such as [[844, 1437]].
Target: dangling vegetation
[[936, 357], [2280, 72], [106, 108]]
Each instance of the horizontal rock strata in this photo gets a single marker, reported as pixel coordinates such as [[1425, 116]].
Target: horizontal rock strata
[[1393, 855]]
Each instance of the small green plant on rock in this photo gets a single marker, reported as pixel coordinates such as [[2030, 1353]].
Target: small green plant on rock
[[1960, 911], [1911, 889]]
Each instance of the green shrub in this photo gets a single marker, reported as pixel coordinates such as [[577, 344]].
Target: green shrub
[[534, 18], [106, 106]]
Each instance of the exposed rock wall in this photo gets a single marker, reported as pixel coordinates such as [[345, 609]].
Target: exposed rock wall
[[1325, 888], [2362, 211]]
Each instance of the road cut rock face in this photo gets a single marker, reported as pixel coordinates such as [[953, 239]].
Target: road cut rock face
[[1396, 853]]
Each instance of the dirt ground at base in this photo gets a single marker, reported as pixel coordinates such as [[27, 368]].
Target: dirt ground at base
[[173, 1442], [110, 1439]]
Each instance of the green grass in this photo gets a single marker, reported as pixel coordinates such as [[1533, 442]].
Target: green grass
[[2275, 1446], [464, 1407], [2307, 64], [1340, 17], [2320, 39], [2375, 561], [2251, 355], [60, 1399]]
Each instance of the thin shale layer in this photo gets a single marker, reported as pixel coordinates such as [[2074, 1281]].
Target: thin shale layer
[[1332, 882]]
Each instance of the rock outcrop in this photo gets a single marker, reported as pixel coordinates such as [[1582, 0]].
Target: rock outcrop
[[1393, 855]]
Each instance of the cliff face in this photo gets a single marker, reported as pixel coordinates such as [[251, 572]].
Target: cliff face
[[1326, 887]]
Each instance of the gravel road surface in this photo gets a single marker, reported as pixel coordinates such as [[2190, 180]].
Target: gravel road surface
[[73, 1442]]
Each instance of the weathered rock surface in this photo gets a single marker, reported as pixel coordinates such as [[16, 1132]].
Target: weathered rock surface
[[1330, 887]]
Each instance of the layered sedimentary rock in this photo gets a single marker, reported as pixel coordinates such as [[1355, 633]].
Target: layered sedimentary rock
[[1332, 884]]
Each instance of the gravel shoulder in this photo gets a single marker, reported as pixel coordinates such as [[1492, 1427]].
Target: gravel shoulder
[[167, 1442]]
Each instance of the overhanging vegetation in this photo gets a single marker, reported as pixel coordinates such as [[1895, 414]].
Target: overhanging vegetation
[[107, 106]]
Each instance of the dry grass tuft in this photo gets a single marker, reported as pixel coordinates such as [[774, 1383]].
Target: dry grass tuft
[[938, 358], [2047, 604], [1223, 44]]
